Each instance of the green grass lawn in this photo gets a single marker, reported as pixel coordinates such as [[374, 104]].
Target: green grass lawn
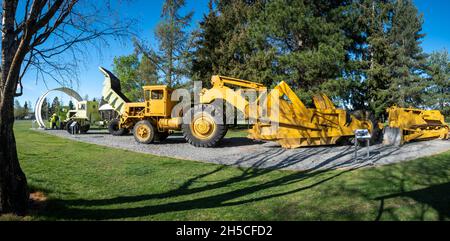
[[89, 182]]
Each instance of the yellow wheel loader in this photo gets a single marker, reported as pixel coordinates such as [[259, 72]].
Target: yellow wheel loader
[[278, 116], [408, 124]]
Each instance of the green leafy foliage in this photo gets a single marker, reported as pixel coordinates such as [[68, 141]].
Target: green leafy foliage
[[224, 44], [21, 112], [305, 42], [134, 74], [437, 93], [409, 62], [365, 54], [173, 42]]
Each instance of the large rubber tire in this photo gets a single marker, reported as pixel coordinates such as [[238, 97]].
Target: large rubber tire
[[376, 132], [68, 124], [206, 126], [85, 129], [114, 129], [161, 136], [144, 132]]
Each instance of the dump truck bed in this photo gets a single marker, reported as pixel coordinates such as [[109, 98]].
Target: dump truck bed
[[112, 92]]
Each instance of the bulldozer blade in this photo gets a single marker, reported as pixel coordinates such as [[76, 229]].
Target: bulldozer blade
[[417, 124], [393, 136]]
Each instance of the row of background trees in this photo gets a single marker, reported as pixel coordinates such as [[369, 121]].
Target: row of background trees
[[21, 112], [365, 54], [48, 108]]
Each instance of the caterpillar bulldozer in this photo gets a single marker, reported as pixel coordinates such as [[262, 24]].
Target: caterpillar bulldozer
[[409, 124], [283, 119]]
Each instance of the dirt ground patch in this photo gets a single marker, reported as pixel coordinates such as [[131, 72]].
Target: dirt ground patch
[[38, 197], [243, 152], [38, 201]]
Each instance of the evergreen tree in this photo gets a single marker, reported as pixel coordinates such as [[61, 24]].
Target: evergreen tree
[[18, 110], [364, 53], [55, 107], [45, 109], [437, 93], [71, 105], [224, 43], [30, 107], [304, 42], [173, 42], [386, 59], [26, 109], [376, 55], [147, 72], [102, 102], [244, 39], [207, 40], [408, 64]]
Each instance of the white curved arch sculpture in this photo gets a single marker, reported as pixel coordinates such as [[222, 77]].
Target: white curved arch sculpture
[[38, 107]]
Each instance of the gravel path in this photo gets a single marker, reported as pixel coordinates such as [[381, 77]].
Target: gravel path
[[243, 152]]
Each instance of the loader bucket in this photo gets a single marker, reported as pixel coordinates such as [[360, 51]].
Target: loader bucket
[[407, 125]]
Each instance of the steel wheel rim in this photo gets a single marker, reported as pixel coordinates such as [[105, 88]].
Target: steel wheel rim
[[143, 132], [203, 127]]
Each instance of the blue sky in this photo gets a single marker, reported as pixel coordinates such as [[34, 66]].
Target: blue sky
[[436, 27], [437, 24], [90, 80]]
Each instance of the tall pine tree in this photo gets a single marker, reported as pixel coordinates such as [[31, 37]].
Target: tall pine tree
[[387, 61], [304, 41], [437, 93], [409, 62], [364, 53], [223, 43], [207, 39], [173, 42]]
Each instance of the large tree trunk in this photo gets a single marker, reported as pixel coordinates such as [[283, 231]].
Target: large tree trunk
[[13, 183]]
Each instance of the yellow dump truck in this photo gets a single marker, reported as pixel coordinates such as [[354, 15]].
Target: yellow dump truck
[[409, 124], [278, 115], [86, 113]]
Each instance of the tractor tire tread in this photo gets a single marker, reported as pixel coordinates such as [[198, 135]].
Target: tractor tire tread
[[114, 131], [217, 137], [152, 129]]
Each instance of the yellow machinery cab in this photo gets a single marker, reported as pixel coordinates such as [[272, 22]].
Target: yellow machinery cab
[[158, 101]]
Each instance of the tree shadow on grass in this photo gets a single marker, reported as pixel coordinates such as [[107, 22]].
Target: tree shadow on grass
[[247, 188], [214, 201], [437, 197], [418, 190], [234, 191]]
